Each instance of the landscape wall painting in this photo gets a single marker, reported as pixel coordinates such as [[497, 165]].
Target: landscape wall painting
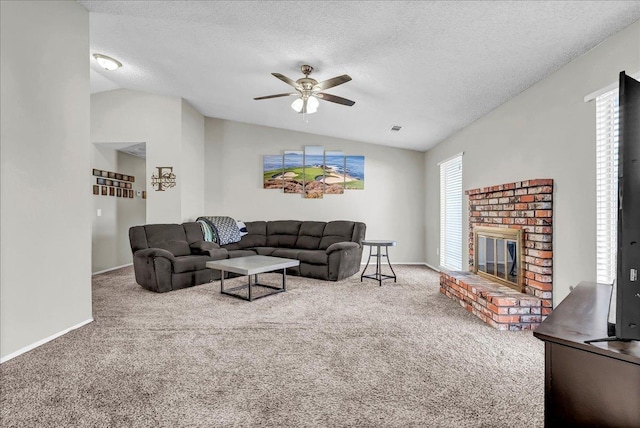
[[313, 172], [272, 168], [293, 176], [334, 173], [354, 172]]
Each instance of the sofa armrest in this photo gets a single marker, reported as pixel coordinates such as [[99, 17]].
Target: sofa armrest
[[210, 249], [155, 252], [153, 268], [339, 246], [217, 253], [201, 247]]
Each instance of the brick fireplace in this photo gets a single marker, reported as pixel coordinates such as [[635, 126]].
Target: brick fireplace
[[528, 206]]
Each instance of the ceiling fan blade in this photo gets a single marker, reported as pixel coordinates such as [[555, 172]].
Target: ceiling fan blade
[[335, 99], [332, 82], [286, 80], [276, 96]]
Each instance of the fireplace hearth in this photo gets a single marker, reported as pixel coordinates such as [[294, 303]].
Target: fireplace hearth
[[510, 283]]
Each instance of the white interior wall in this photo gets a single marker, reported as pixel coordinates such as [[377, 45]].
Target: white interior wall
[[173, 132], [214, 130], [192, 178], [110, 237], [104, 239], [392, 203], [130, 211], [45, 262], [122, 116], [548, 131]]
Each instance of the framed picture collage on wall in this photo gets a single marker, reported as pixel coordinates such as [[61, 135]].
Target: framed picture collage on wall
[[113, 184]]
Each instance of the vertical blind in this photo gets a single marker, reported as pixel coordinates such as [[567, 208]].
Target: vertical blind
[[607, 129], [451, 213]]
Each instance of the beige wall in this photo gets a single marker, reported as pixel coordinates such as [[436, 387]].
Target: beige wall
[[45, 285], [548, 131], [392, 204]]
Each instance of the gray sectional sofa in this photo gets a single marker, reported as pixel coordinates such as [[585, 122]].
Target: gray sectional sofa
[[172, 256]]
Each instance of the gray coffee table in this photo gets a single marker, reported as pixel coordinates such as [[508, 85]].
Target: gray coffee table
[[253, 265]]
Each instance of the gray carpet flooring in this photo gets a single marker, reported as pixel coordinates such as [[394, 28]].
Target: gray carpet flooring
[[324, 354]]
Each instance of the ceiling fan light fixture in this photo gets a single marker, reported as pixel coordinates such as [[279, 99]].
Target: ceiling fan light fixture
[[297, 105], [308, 91], [312, 104], [107, 62]]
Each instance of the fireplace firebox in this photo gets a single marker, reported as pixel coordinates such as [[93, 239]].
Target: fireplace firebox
[[498, 255]]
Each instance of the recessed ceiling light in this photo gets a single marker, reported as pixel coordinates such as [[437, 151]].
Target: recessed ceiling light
[[107, 62], [395, 128]]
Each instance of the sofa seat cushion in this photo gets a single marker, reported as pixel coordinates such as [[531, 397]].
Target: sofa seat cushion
[[190, 263], [232, 247], [287, 253], [314, 257], [264, 251], [241, 253]]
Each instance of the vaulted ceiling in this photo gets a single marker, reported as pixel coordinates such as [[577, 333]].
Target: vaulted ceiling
[[430, 67]]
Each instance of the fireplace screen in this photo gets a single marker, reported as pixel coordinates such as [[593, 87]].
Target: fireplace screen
[[498, 255]]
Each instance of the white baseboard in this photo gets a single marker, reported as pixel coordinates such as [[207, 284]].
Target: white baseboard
[[393, 263], [110, 269], [406, 263], [43, 341]]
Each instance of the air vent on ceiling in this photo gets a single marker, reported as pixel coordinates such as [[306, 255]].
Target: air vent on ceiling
[[396, 128]]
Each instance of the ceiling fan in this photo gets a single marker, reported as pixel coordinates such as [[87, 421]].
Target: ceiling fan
[[308, 90]]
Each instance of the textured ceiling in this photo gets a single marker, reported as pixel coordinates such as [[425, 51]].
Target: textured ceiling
[[431, 67]]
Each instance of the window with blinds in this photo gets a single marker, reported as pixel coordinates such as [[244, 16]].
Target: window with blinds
[[451, 213], [607, 126]]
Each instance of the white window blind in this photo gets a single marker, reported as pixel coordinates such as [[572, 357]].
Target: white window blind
[[607, 128], [451, 213]]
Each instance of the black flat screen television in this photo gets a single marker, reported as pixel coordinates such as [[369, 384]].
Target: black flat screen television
[[624, 315]]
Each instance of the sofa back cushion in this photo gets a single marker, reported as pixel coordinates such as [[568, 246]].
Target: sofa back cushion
[[170, 237], [282, 233], [359, 231], [310, 235], [193, 232], [256, 236], [336, 231], [137, 239]]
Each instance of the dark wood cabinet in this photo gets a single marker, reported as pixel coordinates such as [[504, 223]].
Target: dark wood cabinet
[[588, 384]]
